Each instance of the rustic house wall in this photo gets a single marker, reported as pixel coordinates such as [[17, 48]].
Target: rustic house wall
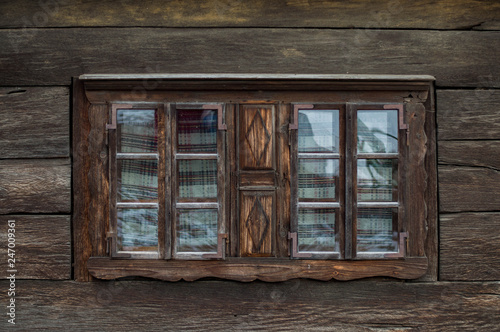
[[43, 44]]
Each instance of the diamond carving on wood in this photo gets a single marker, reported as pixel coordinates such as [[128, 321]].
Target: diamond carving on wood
[[257, 225], [258, 137]]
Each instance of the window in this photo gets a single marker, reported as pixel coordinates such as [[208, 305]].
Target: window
[[251, 177]]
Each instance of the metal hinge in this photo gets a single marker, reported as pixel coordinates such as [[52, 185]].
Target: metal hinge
[[109, 242], [221, 243], [220, 115], [114, 108], [294, 125], [293, 248], [403, 236], [401, 116]]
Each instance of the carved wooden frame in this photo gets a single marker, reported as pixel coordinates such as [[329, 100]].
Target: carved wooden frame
[[94, 93]]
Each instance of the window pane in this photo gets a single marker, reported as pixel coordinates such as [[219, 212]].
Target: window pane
[[198, 178], [378, 131], [317, 178], [137, 180], [197, 131], [197, 230], [318, 131], [137, 131], [316, 230], [137, 229], [377, 230], [377, 180]]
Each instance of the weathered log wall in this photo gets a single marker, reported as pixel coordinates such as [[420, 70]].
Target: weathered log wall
[[45, 43]]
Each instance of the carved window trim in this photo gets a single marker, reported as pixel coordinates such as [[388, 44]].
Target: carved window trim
[[94, 96]]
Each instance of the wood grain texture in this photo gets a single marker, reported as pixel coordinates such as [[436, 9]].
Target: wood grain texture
[[416, 180], [90, 181], [418, 14], [43, 246], [455, 58], [431, 194], [467, 189], [470, 153], [35, 186], [220, 306], [469, 114], [249, 269], [256, 137], [470, 246], [257, 223], [34, 122]]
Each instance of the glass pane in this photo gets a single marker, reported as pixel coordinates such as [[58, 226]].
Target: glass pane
[[197, 131], [318, 130], [137, 180], [316, 230], [317, 178], [198, 178], [378, 131], [137, 131], [137, 229], [197, 230], [377, 230], [377, 180]]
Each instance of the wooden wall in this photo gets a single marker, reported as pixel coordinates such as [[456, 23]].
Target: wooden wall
[[45, 43]]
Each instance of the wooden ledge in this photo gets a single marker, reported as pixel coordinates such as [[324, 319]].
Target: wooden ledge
[[271, 270]]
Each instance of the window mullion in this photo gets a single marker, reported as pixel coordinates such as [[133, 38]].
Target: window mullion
[[350, 173]]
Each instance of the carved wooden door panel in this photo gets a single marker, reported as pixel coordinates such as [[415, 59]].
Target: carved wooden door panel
[[257, 180]]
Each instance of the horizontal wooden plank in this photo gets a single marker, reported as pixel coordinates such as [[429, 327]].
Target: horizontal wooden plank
[[417, 14], [34, 122], [470, 243], [297, 305], [469, 114], [254, 269], [42, 246], [35, 186], [470, 153], [460, 59], [467, 189]]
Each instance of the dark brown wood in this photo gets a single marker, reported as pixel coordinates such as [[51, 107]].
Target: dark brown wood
[[42, 246], [470, 153], [418, 14], [467, 189], [257, 223], [468, 114], [469, 246], [260, 179], [431, 193], [283, 178], [35, 122], [90, 181], [292, 305], [35, 186], [458, 59], [416, 180], [249, 269], [256, 137]]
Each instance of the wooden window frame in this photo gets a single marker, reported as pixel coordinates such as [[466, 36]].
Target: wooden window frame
[[94, 96]]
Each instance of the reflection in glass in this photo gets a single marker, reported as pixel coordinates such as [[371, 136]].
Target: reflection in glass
[[137, 131], [198, 178], [378, 131], [197, 131], [197, 230], [316, 230], [137, 180], [377, 230], [318, 131], [377, 180], [317, 178], [137, 229]]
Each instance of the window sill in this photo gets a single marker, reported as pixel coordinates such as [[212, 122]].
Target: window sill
[[248, 269]]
